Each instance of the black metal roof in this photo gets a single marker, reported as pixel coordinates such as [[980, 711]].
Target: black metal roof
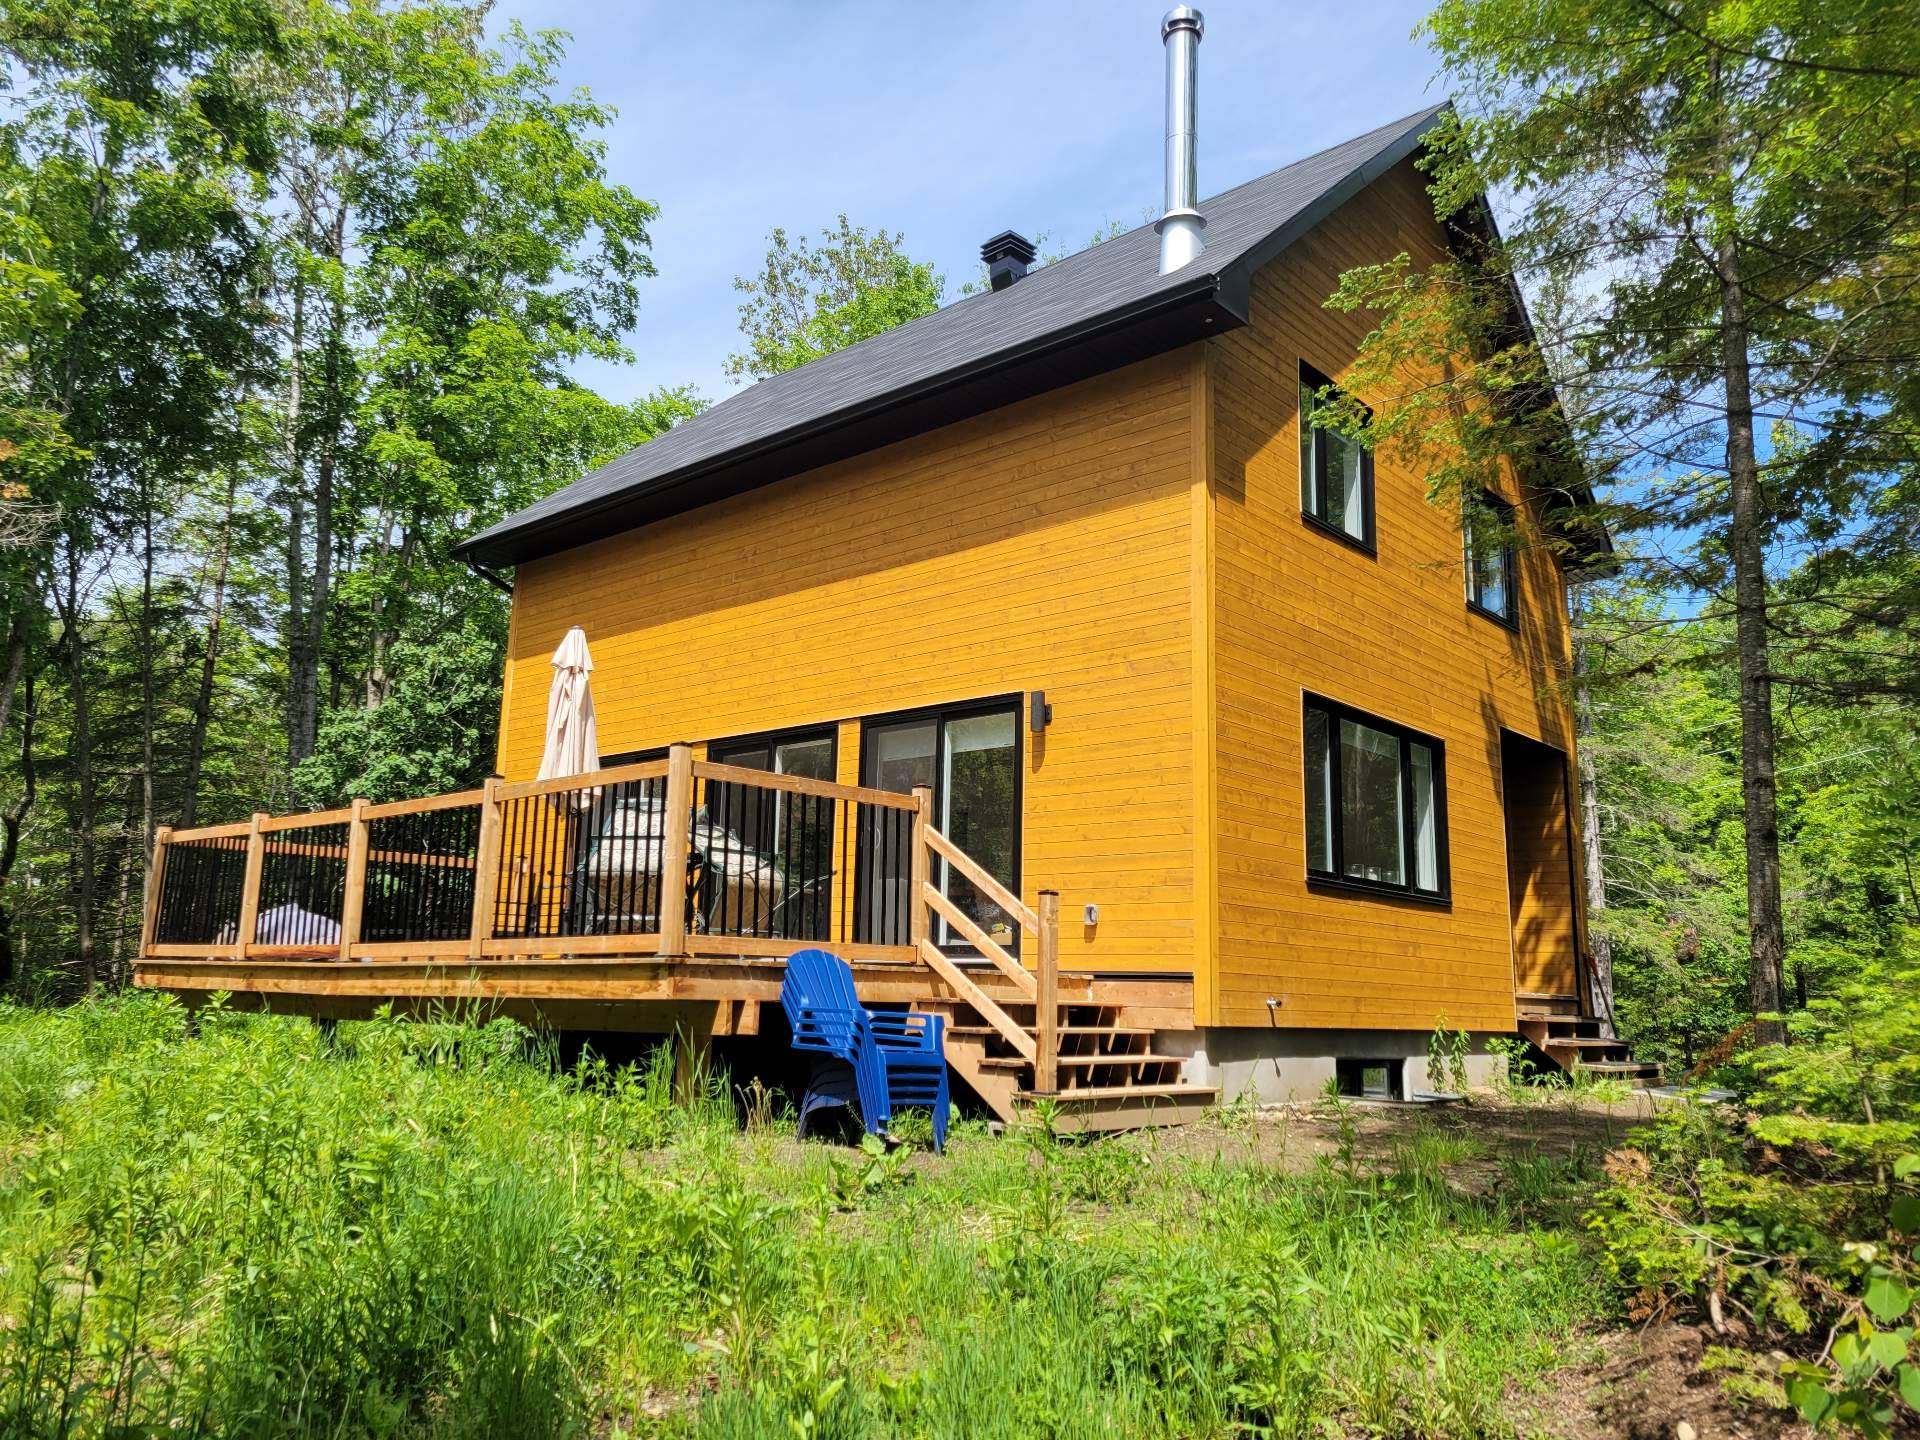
[[1094, 311]]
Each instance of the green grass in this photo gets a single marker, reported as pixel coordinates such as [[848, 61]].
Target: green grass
[[422, 1229]]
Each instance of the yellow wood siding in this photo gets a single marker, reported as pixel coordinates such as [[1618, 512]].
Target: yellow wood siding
[[1296, 610], [1540, 873], [1045, 545]]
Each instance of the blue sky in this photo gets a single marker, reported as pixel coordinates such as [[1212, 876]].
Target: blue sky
[[949, 122]]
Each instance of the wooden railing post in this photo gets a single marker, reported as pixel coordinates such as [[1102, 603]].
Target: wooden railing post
[[353, 902], [250, 884], [486, 868], [1046, 998], [673, 851], [922, 866], [150, 909]]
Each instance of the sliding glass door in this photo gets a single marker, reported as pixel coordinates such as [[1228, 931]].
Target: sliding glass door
[[970, 756], [792, 835]]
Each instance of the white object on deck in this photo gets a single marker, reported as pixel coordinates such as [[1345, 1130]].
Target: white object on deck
[[573, 737]]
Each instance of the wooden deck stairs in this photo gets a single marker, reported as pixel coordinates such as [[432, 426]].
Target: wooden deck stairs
[[1107, 1075], [1555, 1026], [1099, 1072]]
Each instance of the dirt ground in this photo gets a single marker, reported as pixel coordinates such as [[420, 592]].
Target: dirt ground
[[1647, 1385], [1644, 1384], [1293, 1137]]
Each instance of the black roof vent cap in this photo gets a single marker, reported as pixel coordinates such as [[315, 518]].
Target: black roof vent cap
[[1007, 256]]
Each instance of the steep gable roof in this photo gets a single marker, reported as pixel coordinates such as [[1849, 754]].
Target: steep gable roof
[[1104, 307]]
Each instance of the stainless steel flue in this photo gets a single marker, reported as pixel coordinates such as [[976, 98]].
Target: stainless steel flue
[[1180, 228]]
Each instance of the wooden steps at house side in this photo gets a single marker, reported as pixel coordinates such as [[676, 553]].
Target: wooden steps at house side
[[1555, 1026], [1109, 1076], [1076, 1032], [1086, 1062]]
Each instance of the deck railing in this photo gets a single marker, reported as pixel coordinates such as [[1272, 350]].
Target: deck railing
[[658, 860]]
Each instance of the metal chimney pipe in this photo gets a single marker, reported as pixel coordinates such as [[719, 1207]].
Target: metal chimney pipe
[[1179, 229]]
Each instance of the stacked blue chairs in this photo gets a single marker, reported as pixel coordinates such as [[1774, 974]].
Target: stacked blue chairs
[[878, 1061]]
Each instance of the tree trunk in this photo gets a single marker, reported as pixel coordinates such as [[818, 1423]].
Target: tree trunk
[[118, 971], [301, 661], [11, 821], [1593, 856], [1766, 928], [320, 595], [385, 631], [15, 666], [147, 705], [80, 759], [203, 697]]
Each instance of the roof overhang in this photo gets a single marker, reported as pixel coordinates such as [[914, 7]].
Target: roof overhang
[[1210, 305]]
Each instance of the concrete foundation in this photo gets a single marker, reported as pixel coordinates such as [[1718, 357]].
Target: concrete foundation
[[1280, 1065]]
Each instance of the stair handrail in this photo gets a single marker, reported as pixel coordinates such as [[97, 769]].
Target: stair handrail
[[1041, 985]]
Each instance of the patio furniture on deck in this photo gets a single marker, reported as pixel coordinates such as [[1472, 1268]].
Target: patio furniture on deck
[[876, 1060], [617, 876]]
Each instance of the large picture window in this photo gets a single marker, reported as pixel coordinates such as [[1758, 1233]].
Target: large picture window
[[1376, 803], [970, 755], [1336, 473], [1488, 530]]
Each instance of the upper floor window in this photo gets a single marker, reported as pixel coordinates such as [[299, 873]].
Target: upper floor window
[[1376, 803], [1488, 529], [1336, 473]]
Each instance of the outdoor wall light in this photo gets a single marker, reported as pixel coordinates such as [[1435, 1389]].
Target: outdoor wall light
[[1039, 712]]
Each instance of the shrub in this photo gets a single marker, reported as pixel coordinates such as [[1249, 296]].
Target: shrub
[[1794, 1221]]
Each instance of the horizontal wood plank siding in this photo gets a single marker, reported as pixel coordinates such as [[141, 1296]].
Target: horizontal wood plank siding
[[1296, 610], [1540, 874], [1045, 545]]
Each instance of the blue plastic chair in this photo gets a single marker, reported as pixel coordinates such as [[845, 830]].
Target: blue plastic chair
[[878, 1061]]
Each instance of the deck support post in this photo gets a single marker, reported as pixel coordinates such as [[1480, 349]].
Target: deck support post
[[922, 866], [353, 901], [673, 853], [150, 902], [486, 868], [1046, 998], [250, 883], [692, 1059]]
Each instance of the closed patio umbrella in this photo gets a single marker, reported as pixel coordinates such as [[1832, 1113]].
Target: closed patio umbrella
[[573, 740]]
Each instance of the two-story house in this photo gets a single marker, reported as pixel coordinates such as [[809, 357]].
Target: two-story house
[[1068, 554]]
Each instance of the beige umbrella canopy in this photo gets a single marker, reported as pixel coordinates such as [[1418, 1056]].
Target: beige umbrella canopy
[[573, 739]]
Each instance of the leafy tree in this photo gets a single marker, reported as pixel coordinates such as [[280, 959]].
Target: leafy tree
[[809, 300], [290, 294], [454, 246], [1661, 739], [130, 162], [1708, 218]]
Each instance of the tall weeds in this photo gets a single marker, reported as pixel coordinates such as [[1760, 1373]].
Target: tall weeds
[[245, 1228]]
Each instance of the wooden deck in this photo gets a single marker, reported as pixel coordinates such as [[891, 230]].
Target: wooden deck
[[636, 994], [629, 900]]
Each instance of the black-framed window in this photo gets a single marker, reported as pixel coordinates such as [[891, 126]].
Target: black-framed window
[[790, 836], [1376, 803], [1487, 534], [1336, 473], [970, 755]]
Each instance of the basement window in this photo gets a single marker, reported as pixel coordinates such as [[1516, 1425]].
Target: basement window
[[1376, 803], [1371, 1079], [1487, 528], [1336, 473]]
